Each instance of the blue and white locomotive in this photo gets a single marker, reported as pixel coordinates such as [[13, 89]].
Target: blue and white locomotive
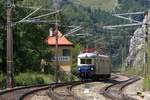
[[92, 65]]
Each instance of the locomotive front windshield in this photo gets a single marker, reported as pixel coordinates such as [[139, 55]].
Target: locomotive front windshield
[[86, 64], [86, 61]]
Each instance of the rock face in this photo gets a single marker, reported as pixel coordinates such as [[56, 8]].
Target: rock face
[[136, 49], [137, 43]]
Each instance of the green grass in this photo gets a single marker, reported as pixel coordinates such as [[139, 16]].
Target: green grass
[[147, 83], [47, 78], [106, 5], [2, 81], [134, 71], [32, 78], [28, 78], [147, 78]]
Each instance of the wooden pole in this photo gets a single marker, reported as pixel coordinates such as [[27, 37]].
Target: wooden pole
[[9, 37]]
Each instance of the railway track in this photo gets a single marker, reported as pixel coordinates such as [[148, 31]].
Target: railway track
[[63, 91], [115, 91], [17, 93], [25, 93], [60, 91], [39, 94]]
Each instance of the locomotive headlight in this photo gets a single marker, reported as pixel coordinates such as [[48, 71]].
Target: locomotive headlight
[[92, 68], [78, 68]]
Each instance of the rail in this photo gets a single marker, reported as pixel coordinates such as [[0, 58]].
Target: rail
[[69, 95], [114, 91], [18, 92]]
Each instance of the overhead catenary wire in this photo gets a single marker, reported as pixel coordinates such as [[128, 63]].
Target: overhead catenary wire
[[39, 21], [73, 31], [136, 23], [44, 15], [132, 13], [122, 17], [144, 25], [27, 16], [121, 25]]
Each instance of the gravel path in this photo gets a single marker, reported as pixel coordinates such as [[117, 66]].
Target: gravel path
[[63, 92], [90, 91], [121, 77], [41, 95], [132, 90], [16, 94]]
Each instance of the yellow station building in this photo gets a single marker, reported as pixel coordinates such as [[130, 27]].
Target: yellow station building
[[64, 51]]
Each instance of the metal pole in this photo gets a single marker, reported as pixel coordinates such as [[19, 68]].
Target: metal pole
[[56, 45], [56, 55], [146, 45], [9, 54]]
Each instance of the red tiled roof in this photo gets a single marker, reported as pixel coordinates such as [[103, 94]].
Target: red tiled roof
[[62, 41]]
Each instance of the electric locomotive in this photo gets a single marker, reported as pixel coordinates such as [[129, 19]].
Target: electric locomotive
[[92, 65]]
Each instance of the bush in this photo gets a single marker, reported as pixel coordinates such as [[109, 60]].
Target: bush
[[2, 81], [147, 83], [28, 78], [25, 79], [134, 71], [75, 69]]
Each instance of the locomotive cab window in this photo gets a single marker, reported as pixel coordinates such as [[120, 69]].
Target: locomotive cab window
[[86, 61], [83, 61], [89, 61]]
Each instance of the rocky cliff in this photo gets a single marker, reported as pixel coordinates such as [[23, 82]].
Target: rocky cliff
[[137, 44], [136, 49]]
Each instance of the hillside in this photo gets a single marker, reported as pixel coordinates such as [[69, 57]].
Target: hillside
[[106, 5]]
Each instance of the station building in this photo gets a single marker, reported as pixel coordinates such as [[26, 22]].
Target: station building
[[64, 51]]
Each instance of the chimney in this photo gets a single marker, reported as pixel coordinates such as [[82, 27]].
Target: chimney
[[50, 32]]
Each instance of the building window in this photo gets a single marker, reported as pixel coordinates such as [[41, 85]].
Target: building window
[[66, 52]]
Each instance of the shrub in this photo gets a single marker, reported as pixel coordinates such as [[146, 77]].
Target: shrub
[[134, 71], [2, 81], [147, 83], [24, 79]]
